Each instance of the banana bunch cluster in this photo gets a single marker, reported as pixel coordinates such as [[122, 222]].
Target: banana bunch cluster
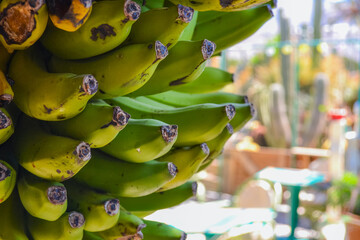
[[108, 109]]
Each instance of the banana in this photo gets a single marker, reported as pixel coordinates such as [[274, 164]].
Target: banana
[[7, 180], [48, 96], [41, 198], [187, 161], [157, 138], [6, 92], [196, 123], [180, 99], [69, 15], [161, 231], [160, 200], [220, 5], [22, 22], [100, 211], [125, 179], [128, 227], [69, 226], [188, 32], [120, 71], [91, 236], [48, 156], [185, 63], [163, 24], [5, 56], [154, 4], [12, 222], [107, 27], [97, 125], [211, 80], [149, 101], [231, 28], [6, 125]]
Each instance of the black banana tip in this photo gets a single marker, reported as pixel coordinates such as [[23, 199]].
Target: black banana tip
[[4, 172], [5, 99], [132, 10], [112, 207], [36, 4], [90, 85], [205, 148], [230, 111], [246, 99], [252, 110], [140, 227], [161, 50], [5, 121], [185, 14], [194, 187], [83, 151], [183, 236], [270, 10], [76, 219], [208, 49], [120, 118], [230, 128], [169, 132], [172, 169], [57, 195]]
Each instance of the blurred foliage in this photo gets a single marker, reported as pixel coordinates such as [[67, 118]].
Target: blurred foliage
[[340, 192]]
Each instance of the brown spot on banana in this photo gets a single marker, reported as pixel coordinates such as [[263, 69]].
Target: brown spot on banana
[[225, 3], [102, 31]]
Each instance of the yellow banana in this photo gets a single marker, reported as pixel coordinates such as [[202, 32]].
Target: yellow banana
[[6, 92], [220, 5], [161, 231], [6, 125], [22, 22], [69, 15], [48, 96], [7, 180]]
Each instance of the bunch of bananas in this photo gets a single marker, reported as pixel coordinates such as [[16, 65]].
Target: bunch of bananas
[[108, 109]]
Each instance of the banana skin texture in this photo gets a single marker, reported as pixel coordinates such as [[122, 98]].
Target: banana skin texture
[[220, 5], [7, 180], [162, 231]]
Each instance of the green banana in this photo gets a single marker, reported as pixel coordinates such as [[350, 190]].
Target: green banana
[[97, 125], [128, 227], [125, 179], [12, 222], [163, 24], [154, 4], [185, 63], [22, 23], [229, 29], [160, 200], [108, 26], [91, 236], [120, 71], [48, 96], [220, 5], [48, 156], [187, 161], [211, 80], [179, 99], [162, 231], [69, 226], [197, 123], [42, 198], [6, 125], [7, 180], [100, 210], [189, 30], [157, 138], [149, 101]]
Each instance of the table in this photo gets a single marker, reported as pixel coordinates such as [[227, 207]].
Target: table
[[294, 180]]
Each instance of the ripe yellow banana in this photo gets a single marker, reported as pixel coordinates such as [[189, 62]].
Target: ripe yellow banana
[[6, 125], [220, 5], [6, 92], [161, 231], [48, 156], [41, 198], [22, 22], [120, 71], [7, 181], [69, 15], [107, 27]]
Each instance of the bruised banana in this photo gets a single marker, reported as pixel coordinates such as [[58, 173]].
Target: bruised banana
[[69, 226], [22, 22], [231, 28], [97, 125], [160, 200], [42, 198], [12, 221], [107, 27], [48, 156], [100, 211], [157, 138], [7, 181], [185, 63], [163, 24], [69, 15], [211, 80], [6, 92], [48, 96], [220, 5], [120, 178], [187, 161], [161, 231], [6, 125], [116, 75], [197, 123]]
